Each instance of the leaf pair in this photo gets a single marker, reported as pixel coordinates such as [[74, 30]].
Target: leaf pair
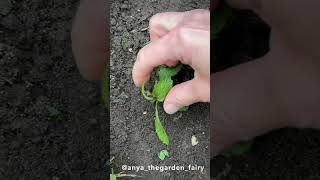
[[163, 85]]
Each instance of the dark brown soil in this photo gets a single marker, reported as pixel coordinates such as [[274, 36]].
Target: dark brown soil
[[287, 154], [52, 123]]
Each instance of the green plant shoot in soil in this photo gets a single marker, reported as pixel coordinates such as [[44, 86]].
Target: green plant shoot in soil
[[159, 92]]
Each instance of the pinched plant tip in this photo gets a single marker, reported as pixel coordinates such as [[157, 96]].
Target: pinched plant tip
[[163, 85]]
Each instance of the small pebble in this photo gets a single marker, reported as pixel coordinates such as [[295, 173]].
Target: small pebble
[[194, 140], [145, 112]]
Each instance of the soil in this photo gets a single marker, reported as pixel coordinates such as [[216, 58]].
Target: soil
[[133, 137], [281, 154], [52, 122]]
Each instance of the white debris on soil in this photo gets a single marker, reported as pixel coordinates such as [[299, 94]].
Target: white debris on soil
[[145, 112], [194, 140], [130, 50]]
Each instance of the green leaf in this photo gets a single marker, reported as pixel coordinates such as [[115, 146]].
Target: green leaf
[[167, 72], [161, 89], [146, 94], [113, 177], [238, 149], [163, 154], [162, 135]]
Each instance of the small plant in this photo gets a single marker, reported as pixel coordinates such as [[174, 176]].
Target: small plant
[[159, 92], [163, 154]]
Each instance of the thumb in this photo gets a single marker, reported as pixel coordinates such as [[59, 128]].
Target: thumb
[[185, 94]]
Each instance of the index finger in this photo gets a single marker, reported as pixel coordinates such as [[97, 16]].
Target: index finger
[[183, 44], [163, 51]]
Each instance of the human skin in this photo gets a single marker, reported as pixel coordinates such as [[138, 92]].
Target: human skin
[[178, 37], [278, 90], [90, 38]]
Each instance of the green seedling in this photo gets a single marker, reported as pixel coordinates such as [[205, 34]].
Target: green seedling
[[163, 154], [159, 92]]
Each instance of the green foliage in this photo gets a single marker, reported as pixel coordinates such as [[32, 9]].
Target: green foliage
[[238, 150], [146, 94], [165, 72], [160, 90], [112, 175], [161, 132], [165, 83], [163, 154]]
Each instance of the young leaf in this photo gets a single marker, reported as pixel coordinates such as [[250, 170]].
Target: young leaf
[[165, 83], [160, 130], [163, 154], [161, 89], [167, 72]]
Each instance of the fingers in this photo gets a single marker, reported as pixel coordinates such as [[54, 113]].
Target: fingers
[[185, 94], [162, 23], [164, 51], [183, 44]]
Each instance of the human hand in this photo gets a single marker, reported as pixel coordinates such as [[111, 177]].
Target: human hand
[[89, 39], [178, 37], [274, 91]]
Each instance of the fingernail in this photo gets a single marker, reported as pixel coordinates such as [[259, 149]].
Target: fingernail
[[171, 108]]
